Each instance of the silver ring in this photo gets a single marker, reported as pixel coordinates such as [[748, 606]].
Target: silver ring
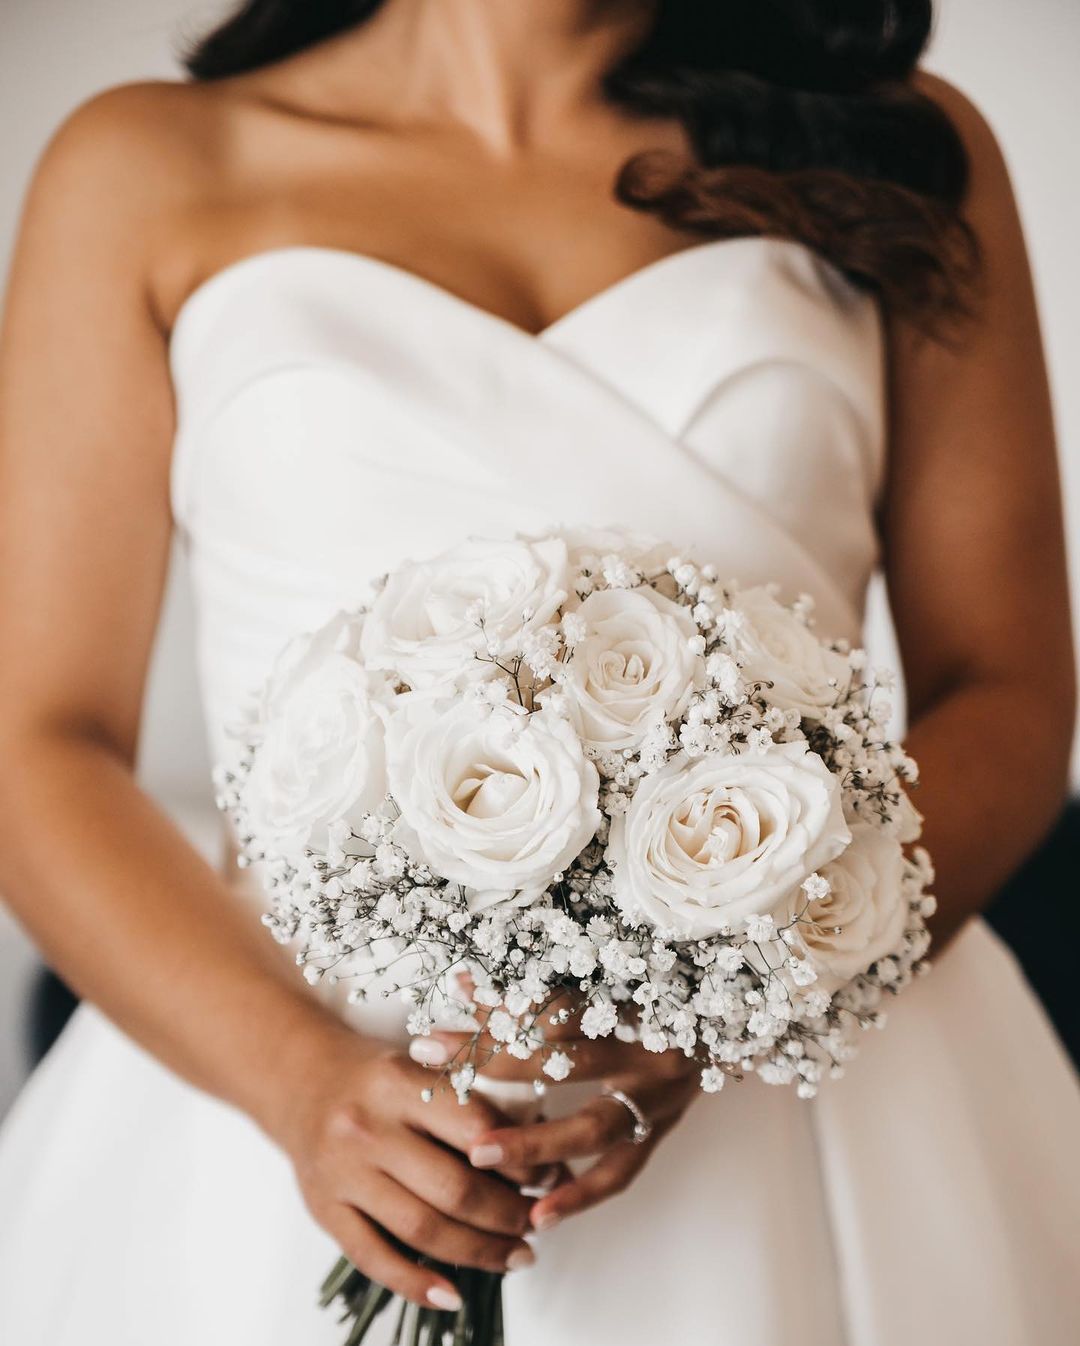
[[642, 1126]]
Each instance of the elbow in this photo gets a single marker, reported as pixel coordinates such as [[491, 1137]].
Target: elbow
[[36, 748]]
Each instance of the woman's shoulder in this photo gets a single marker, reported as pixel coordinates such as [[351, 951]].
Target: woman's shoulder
[[137, 136], [125, 159], [130, 168], [968, 119], [163, 141]]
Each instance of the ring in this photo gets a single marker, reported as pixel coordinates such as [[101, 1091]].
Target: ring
[[642, 1126]]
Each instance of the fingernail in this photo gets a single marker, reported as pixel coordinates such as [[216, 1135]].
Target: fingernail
[[486, 1156], [427, 1051], [546, 1220], [544, 1183], [443, 1298], [520, 1257]]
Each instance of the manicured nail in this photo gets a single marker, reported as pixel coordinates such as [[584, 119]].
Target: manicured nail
[[546, 1220], [486, 1156], [442, 1298], [545, 1183], [520, 1257], [427, 1051]]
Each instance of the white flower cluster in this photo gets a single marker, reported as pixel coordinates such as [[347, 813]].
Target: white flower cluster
[[583, 766]]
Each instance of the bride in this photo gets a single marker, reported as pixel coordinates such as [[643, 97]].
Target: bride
[[385, 273]]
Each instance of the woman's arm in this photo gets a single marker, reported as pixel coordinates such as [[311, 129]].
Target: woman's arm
[[975, 563], [123, 908], [121, 905]]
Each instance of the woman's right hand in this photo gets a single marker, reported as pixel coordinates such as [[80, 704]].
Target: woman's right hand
[[373, 1158]]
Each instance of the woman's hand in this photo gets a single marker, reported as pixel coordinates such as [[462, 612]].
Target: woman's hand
[[373, 1159], [662, 1085]]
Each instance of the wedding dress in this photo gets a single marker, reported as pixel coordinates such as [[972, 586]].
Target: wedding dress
[[338, 414]]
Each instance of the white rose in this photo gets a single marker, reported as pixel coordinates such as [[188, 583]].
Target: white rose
[[862, 917], [588, 547], [425, 624], [494, 800], [321, 753], [305, 653], [773, 645], [634, 665], [708, 842]]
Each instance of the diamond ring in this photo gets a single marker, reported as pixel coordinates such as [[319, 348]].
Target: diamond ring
[[642, 1126]]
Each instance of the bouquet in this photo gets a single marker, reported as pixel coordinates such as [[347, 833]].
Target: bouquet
[[581, 765]]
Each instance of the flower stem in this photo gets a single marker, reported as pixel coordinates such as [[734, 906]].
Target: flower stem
[[479, 1321]]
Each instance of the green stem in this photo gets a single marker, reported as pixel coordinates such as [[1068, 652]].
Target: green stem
[[479, 1321], [410, 1324], [338, 1281], [497, 1338], [373, 1303]]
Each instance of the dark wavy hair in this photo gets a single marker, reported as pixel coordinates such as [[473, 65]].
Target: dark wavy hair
[[802, 114]]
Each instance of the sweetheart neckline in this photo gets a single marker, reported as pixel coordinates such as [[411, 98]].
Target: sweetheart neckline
[[224, 275]]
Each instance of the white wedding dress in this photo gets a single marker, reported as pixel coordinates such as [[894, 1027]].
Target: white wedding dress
[[338, 414]]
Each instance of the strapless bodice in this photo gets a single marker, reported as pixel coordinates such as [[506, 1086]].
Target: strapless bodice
[[337, 414]]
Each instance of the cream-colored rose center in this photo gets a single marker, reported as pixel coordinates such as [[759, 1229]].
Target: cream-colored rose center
[[711, 829], [620, 668], [489, 791]]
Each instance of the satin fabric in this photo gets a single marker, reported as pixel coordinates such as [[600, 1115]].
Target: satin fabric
[[337, 414]]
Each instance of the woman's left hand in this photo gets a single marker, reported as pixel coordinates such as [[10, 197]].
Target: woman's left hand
[[661, 1084]]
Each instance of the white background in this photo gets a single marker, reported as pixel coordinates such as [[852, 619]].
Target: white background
[[1020, 63]]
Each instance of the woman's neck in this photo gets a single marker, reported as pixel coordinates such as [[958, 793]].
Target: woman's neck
[[507, 69]]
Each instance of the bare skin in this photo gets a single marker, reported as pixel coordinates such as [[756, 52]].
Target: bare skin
[[466, 142]]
